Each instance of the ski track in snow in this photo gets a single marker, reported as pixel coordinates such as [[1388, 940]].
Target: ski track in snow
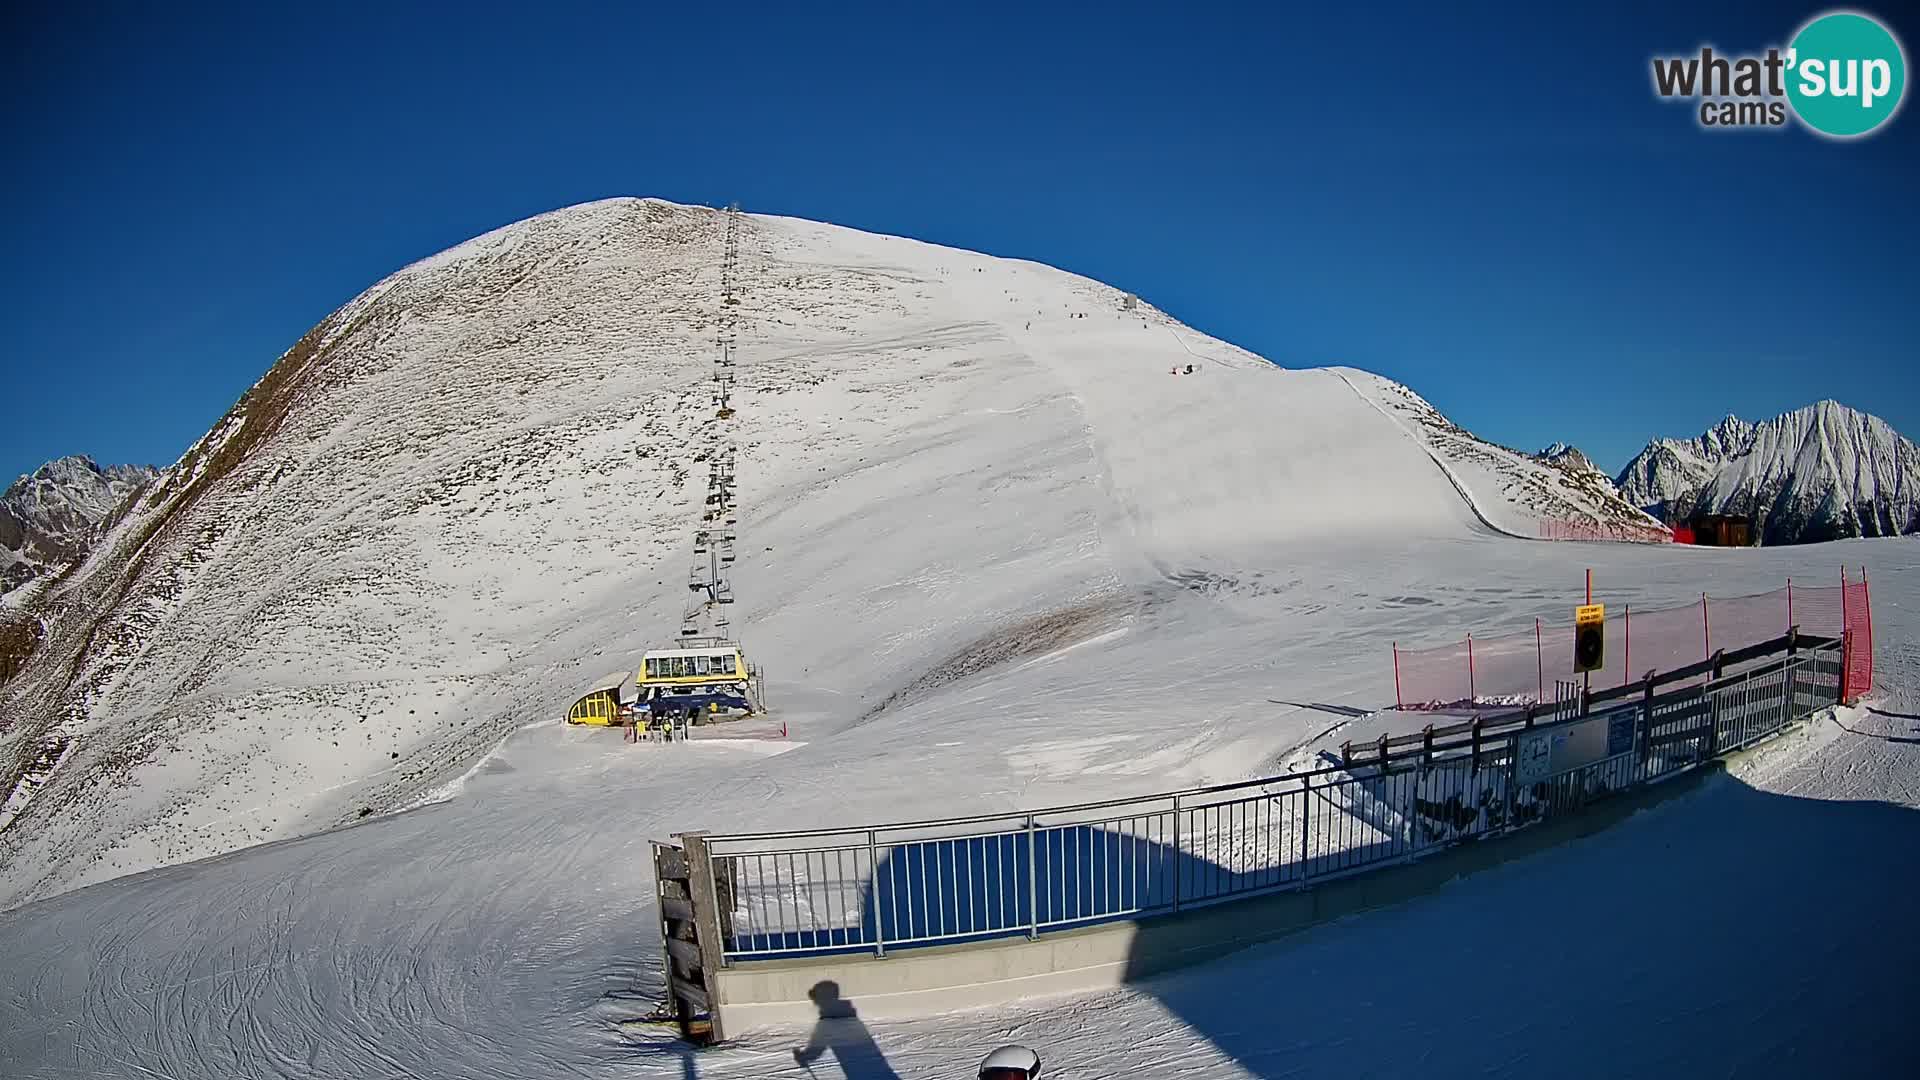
[[967, 477], [1453, 478]]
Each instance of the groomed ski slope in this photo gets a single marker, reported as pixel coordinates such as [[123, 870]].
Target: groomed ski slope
[[506, 931], [991, 559]]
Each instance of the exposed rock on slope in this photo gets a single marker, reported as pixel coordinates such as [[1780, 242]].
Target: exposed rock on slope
[[1518, 494], [1568, 457]]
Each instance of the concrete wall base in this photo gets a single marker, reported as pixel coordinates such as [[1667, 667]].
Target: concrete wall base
[[922, 981]]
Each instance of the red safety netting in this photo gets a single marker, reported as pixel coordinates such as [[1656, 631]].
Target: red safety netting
[[1563, 529], [1857, 676], [1511, 669]]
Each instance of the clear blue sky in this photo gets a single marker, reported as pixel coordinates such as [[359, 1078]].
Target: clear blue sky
[[1489, 206]]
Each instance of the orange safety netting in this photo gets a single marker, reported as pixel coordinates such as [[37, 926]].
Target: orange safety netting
[[1513, 669]]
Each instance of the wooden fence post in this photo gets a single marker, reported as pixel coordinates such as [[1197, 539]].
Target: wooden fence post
[[703, 885]]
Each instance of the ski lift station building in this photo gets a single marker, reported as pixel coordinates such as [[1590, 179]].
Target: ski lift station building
[[602, 704], [708, 676]]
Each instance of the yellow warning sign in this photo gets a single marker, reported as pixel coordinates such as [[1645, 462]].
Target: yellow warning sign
[[1589, 637]]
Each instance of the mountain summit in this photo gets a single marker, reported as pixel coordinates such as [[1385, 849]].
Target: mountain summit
[[51, 516], [1568, 457], [475, 487], [1823, 472]]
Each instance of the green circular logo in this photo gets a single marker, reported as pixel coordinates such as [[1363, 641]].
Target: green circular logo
[[1845, 74]]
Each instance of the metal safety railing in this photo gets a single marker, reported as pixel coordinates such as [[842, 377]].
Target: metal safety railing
[[882, 887]]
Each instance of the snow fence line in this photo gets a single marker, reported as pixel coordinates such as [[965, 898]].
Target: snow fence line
[[1480, 671], [918, 917], [1607, 531]]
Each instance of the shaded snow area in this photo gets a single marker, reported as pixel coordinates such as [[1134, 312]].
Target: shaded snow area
[[992, 555], [1757, 927]]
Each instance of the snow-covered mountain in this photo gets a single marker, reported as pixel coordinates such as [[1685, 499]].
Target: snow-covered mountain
[[473, 488], [1519, 493], [994, 553], [1669, 470], [1581, 472], [1568, 457], [51, 516], [1823, 472]]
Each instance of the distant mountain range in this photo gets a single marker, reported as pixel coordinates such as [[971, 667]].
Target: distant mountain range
[[51, 516], [1825, 472]]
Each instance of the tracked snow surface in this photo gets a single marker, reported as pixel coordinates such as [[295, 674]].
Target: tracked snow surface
[[1824, 472], [993, 554]]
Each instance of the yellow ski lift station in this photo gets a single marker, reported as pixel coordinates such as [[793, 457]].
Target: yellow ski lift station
[[704, 675], [602, 705]]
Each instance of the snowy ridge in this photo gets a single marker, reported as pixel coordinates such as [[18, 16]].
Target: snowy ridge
[[1670, 469], [1512, 492], [1818, 473], [1569, 457]]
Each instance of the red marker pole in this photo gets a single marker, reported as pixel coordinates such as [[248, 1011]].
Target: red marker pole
[[1627, 665], [1540, 662], [1472, 693], [1846, 639], [1706, 626], [1399, 701], [1586, 678]]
